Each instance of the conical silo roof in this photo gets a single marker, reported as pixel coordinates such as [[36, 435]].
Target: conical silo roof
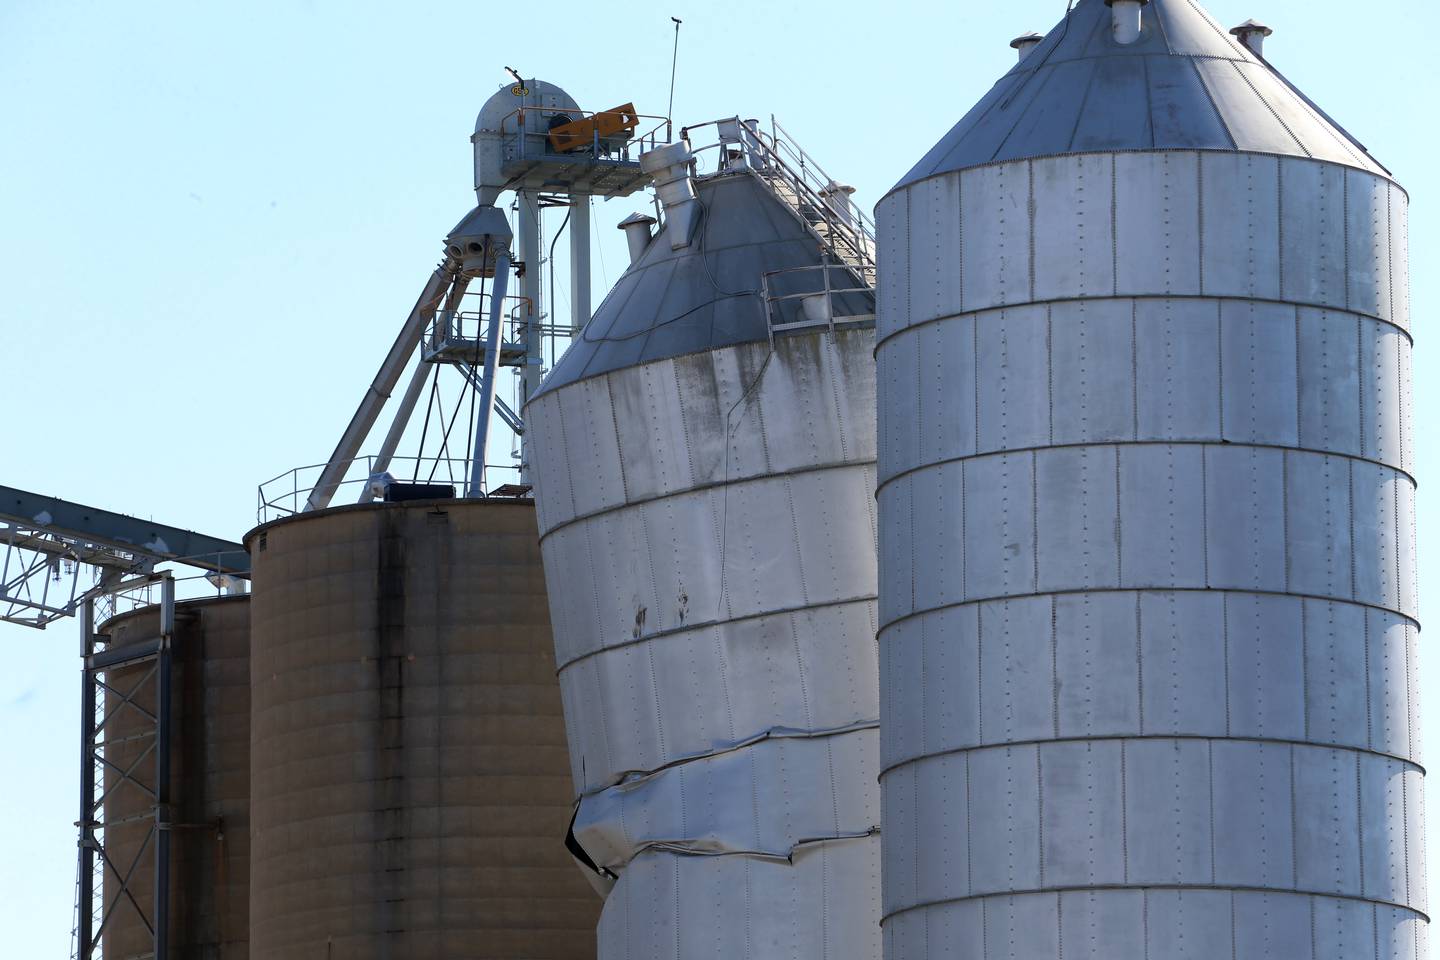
[[704, 296], [1185, 84]]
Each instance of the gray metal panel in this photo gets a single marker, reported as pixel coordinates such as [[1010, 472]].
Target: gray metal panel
[[1254, 843], [1390, 670], [1077, 518], [1251, 123], [1259, 388], [1073, 238], [1182, 651], [1265, 661], [1161, 487], [945, 383], [1263, 921], [1327, 845], [1097, 669], [1017, 681], [1381, 406], [1241, 247], [892, 238], [1245, 509], [1178, 99], [935, 248], [1177, 366], [1092, 371], [897, 377], [995, 240], [1329, 361], [1368, 259], [1083, 810], [1157, 223], [1318, 534], [1011, 365], [1115, 81], [1190, 924], [1005, 795], [999, 524], [1170, 837], [1337, 687], [1312, 211]]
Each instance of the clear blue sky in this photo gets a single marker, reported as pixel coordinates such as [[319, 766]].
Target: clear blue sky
[[214, 216]]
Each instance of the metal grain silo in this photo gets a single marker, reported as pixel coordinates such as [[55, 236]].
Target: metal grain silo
[[209, 783], [410, 794], [704, 462], [1147, 589]]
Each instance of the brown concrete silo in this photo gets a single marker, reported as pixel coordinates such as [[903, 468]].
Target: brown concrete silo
[[209, 783], [411, 791]]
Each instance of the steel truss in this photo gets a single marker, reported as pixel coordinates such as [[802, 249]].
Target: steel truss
[[145, 775]]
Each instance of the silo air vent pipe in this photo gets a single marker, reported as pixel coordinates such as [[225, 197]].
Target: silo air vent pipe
[[1126, 19], [1023, 44], [637, 234], [1252, 33], [837, 195], [670, 166]]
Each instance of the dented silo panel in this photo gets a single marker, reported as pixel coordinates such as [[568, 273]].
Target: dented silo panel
[[707, 523]]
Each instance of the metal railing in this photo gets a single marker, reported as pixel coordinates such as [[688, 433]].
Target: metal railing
[[818, 301], [287, 494], [845, 231]]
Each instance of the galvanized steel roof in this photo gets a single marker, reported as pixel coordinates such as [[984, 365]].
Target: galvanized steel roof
[[704, 296], [1186, 84]]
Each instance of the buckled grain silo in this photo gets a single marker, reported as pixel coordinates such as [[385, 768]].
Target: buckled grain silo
[[704, 462], [1147, 578]]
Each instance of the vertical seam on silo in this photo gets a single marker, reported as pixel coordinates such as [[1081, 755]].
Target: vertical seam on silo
[[1225, 641], [1139, 661], [1204, 510], [1055, 664], [1294, 829], [1395, 482], [1134, 371], [1409, 699], [1059, 926], [1114, 226], [1124, 815], [569, 471], [1210, 787], [1280, 227], [1050, 370], [1375, 929], [685, 425], [1305, 662], [1369, 699], [960, 236], [915, 830], [1285, 514], [979, 678], [969, 840], [1035, 522], [1145, 923], [1030, 220], [1345, 202], [1405, 829], [1234, 948], [1220, 360], [1354, 574], [1040, 812], [964, 537], [975, 373], [1200, 216], [1299, 384], [1360, 368], [1119, 529]]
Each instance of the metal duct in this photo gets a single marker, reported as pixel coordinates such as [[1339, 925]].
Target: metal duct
[[1148, 597]]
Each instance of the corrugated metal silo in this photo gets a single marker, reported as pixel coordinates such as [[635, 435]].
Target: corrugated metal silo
[[1148, 590], [409, 772], [707, 524], [209, 783]]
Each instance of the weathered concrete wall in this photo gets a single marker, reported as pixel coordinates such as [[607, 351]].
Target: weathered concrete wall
[[411, 787], [209, 783]]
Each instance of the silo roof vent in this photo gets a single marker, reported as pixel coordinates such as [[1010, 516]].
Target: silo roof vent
[[1026, 42], [1252, 33]]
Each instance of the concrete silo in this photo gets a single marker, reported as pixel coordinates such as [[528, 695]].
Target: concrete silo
[[410, 793], [704, 462], [1147, 578], [209, 783]]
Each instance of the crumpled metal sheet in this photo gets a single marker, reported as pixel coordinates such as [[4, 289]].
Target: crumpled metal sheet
[[764, 799]]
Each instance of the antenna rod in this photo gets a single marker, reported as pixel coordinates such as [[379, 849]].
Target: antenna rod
[[674, 59]]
